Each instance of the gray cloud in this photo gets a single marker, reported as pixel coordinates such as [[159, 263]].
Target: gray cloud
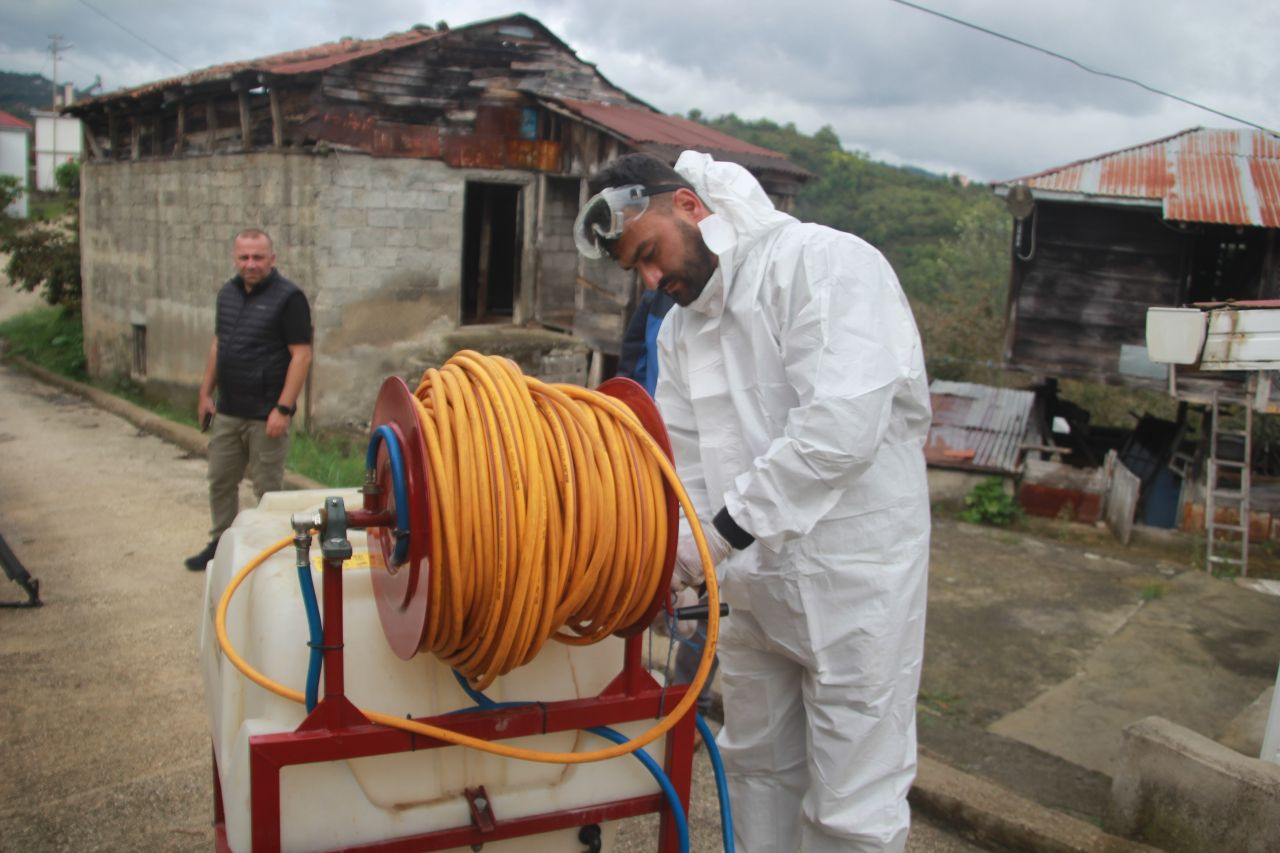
[[902, 85]]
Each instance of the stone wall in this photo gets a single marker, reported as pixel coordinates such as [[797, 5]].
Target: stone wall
[[376, 244]]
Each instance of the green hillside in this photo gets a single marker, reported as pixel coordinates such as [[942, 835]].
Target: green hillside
[[22, 93], [948, 243]]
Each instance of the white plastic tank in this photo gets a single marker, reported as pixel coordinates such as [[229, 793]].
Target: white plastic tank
[[331, 804]]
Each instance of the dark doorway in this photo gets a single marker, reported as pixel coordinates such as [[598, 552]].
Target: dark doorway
[[490, 253]]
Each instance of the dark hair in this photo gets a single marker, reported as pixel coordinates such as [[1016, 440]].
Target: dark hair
[[643, 169]]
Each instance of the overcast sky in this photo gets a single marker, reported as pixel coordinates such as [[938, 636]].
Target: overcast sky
[[901, 85]]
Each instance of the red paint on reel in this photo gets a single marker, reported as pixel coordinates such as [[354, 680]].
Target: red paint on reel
[[402, 591]]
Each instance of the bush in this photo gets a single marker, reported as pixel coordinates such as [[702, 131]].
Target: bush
[[50, 337], [67, 177], [45, 256], [988, 503]]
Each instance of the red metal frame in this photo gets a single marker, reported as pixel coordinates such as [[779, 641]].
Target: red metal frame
[[336, 730]]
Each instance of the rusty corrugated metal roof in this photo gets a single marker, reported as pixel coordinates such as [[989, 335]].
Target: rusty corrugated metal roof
[[1230, 177], [304, 61], [659, 133], [977, 427]]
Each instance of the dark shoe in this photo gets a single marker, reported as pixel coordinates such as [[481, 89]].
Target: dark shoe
[[199, 561]]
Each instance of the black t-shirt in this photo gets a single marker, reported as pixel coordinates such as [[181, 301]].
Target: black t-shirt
[[295, 320]]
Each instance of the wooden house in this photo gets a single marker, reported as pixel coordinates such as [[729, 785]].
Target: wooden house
[[1189, 220], [420, 188]]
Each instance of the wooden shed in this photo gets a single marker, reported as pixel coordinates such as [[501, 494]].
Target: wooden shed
[[1186, 219], [420, 188]]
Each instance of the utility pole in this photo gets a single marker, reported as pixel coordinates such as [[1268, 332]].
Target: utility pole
[[56, 47]]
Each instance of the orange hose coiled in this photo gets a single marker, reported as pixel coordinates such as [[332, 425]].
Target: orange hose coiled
[[548, 518], [569, 533]]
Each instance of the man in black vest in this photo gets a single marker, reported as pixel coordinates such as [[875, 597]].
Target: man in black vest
[[258, 360]]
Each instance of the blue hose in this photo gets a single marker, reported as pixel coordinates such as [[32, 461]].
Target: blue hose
[[384, 435], [722, 784], [317, 635], [654, 768]]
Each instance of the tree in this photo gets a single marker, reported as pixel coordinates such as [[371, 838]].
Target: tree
[[44, 255], [67, 177], [962, 325], [10, 191]]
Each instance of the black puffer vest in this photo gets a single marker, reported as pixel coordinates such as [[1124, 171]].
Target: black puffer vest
[[253, 357]]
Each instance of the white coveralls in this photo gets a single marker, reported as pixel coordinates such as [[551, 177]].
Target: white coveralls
[[795, 395]]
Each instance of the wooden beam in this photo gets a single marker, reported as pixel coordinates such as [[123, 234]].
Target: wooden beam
[[135, 138], [180, 133], [91, 141], [246, 128], [211, 124], [277, 120], [113, 135]]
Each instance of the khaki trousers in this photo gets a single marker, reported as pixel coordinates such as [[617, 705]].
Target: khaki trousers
[[237, 446]]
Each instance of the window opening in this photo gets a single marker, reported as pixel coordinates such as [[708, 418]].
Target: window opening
[[139, 351]]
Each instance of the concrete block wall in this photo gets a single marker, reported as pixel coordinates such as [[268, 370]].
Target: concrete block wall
[[376, 243]]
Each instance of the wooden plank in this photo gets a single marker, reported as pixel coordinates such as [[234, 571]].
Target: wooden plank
[[277, 120], [1121, 505], [91, 141], [210, 124], [180, 133], [246, 128], [113, 135], [135, 138]]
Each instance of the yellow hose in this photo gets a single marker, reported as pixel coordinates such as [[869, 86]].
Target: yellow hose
[[554, 493]]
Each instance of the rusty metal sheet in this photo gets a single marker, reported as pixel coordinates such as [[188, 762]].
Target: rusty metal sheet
[[406, 140], [474, 152], [305, 61], [1052, 502], [534, 154], [343, 127], [643, 127], [977, 427], [1229, 177]]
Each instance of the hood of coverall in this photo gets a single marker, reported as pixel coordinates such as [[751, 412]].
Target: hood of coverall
[[740, 212]]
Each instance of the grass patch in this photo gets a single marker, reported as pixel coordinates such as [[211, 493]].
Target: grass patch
[[1151, 592], [50, 337], [46, 208], [333, 460], [938, 703], [53, 338]]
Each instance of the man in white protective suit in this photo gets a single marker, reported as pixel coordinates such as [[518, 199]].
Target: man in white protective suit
[[792, 383]]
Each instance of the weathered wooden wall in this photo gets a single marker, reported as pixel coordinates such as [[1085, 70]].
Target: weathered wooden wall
[[1085, 290]]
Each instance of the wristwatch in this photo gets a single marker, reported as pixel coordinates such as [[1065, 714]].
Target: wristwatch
[[286, 410]]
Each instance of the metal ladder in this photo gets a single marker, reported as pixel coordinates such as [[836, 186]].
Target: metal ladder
[[1227, 487]]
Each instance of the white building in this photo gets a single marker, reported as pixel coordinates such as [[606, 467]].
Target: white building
[[15, 142], [58, 140]]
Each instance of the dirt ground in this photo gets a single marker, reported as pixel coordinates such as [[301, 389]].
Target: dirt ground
[[104, 740], [1042, 644]]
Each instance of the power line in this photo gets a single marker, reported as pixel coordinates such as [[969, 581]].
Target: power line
[[1077, 63], [111, 20]]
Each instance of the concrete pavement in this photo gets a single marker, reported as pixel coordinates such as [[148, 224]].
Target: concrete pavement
[[1042, 646]]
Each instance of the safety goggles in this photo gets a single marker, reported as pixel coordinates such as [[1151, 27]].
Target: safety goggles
[[605, 215]]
